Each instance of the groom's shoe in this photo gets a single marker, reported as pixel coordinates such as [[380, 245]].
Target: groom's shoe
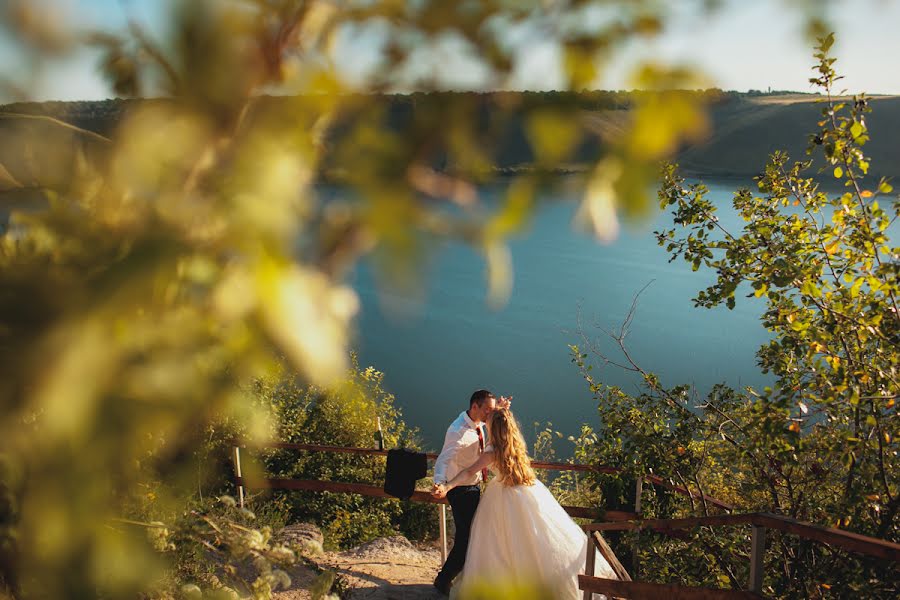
[[442, 584]]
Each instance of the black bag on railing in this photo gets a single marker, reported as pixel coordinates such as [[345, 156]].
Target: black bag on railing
[[404, 467]]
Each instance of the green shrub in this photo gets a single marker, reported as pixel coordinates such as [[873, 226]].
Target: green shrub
[[819, 445], [344, 416]]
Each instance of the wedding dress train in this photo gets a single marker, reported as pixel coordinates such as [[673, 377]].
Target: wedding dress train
[[522, 534]]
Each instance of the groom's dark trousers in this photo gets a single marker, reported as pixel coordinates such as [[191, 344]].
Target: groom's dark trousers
[[463, 502]]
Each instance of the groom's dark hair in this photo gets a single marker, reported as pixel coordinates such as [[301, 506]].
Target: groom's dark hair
[[479, 397]]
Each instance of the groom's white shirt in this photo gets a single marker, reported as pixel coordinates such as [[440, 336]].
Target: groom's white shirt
[[460, 450]]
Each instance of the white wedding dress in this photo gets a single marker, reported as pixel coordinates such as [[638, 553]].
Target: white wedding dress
[[522, 535]]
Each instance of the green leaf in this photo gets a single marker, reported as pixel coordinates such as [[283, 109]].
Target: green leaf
[[810, 289]]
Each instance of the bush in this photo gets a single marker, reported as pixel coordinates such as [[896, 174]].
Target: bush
[[344, 416], [820, 444]]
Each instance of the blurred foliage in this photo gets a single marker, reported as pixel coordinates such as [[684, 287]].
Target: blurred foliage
[[149, 274], [820, 445], [507, 590]]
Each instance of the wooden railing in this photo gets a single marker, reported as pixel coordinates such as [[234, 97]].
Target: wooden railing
[[760, 522], [623, 587], [550, 466], [424, 496], [418, 496]]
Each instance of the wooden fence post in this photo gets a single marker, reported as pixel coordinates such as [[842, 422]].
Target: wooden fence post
[[589, 566], [635, 558], [638, 492], [442, 521], [757, 558], [237, 472]]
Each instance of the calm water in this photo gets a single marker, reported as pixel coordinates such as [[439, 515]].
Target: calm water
[[452, 343]]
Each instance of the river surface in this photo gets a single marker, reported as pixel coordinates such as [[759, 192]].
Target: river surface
[[452, 343]]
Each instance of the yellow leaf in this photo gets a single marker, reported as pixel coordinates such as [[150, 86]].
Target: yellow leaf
[[597, 213], [580, 65], [499, 273], [660, 122], [308, 316], [833, 247], [516, 209], [795, 427], [838, 172], [553, 135], [866, 194]]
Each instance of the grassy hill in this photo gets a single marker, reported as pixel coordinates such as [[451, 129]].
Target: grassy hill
[[746, 129]]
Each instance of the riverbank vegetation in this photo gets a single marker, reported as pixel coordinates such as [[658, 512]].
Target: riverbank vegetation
[[820, 444]]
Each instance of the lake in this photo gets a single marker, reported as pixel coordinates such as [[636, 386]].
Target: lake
[[452, 343]]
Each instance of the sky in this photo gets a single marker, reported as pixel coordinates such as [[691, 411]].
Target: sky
[[755, 44]]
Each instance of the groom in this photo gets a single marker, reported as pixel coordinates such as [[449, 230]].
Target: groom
[[465, 440]]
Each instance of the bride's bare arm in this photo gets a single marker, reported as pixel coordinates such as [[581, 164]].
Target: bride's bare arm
[[483, 461]]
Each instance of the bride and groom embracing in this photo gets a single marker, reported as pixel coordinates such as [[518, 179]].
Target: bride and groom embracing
[[515, 530]]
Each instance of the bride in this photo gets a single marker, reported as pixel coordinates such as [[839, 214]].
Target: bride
[[520, 533]]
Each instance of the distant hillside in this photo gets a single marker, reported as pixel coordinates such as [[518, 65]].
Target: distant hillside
[[745, 131], [746, 128]]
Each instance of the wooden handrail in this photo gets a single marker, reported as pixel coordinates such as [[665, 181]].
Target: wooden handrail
[[641, 590], [657, 480], [365, 489], [550, 466], [323, 448], [845, 540], [682, 523], [620, 521]]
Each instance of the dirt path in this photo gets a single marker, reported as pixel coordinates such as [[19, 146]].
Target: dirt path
[[387, 568], [383, 569]]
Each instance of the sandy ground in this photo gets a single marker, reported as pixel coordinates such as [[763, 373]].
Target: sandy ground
[[383, 569]]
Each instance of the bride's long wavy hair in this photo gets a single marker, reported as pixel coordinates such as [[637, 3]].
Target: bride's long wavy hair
[[510, 453]]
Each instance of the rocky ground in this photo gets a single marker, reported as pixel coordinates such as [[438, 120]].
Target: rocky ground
[[390, 568]]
